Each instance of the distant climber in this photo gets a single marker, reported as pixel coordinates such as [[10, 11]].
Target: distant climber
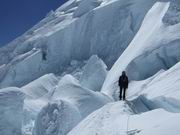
[[44, 53], [123, 84]]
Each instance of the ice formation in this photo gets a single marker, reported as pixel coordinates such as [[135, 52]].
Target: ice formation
[[41, 86], [153, 48], [60, 68], [105, 29], [86, 100], [94, 74], [57, 118], [11, 110]]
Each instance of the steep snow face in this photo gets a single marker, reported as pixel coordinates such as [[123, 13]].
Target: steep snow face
[[86, 100], [11, 110], [94, 74], [57, 118], [155, 47], [41, 86], [104, 28]]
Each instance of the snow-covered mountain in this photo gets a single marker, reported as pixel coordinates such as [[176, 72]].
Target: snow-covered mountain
[[75, 31], [67, 68]]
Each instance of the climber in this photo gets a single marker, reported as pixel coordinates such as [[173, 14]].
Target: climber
[[123, 84], [44, 53]]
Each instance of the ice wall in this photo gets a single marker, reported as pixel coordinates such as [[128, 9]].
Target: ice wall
[[94, 74], [11, 110]]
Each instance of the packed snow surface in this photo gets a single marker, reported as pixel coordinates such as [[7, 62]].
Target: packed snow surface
[[118, 119], [109, 120]]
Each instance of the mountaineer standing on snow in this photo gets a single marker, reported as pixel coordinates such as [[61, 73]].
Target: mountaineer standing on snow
[[123, 84]]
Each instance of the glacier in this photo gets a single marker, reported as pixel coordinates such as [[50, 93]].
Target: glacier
[[105, 29], [88, 43]]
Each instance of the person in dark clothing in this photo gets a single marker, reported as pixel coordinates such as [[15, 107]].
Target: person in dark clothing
[[123, 84], [44, 55], [44, 52]]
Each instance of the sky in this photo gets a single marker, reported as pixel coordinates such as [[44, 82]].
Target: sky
[[17, 16]]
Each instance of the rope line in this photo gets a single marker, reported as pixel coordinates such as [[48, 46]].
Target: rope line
[[128, 123]]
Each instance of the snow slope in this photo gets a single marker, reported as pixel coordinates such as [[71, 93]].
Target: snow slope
[[118, 119], [72, 32], [109, 120], [153, 48], [160, 122]]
